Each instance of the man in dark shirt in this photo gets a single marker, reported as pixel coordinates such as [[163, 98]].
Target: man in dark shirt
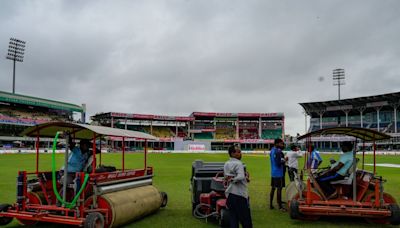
[[277, 175]]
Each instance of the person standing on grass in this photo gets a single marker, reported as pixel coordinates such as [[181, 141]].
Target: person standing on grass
[[314, 160], [236, 193], [293, 161], [277, 176]]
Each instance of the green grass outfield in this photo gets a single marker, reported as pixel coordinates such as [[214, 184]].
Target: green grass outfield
[[172, 174]]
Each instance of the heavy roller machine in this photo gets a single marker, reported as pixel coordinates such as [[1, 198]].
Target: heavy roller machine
[[101, 197]]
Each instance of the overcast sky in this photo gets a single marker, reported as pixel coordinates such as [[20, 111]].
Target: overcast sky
[[176, 57]]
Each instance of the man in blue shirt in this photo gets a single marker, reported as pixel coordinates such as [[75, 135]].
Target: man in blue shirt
[[338, 171], [277, 175], [314, 160], [78, 157]]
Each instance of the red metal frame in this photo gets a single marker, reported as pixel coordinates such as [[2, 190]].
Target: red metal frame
[[37, 152], [345, 207], [123, 154], [145, 154]]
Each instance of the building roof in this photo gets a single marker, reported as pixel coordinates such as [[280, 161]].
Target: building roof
[[192, 117], [234, 115], [142, 116], [36, 101], [353, 103]]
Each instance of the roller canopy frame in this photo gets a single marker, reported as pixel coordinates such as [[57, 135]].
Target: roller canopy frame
[[83, 131]]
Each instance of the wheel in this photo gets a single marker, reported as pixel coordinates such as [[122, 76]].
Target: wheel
[[294, 209], [164, 199], [5, 220], [394, 219], [193, 207], [387, 198], [33, 198], [225, 218], [294, 204], [94, 220]]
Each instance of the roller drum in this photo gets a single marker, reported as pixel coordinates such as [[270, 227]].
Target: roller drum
[[291, 191], [129, 205]]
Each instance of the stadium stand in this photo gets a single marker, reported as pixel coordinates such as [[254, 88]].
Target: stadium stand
[[162, 132], [18, 112], [218, 130], [182, 132], [271, 130], [248, 130], [225, 130], [378, 112]]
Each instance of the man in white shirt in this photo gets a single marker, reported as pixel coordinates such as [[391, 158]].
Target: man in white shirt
[[292, 158], [236, 192]]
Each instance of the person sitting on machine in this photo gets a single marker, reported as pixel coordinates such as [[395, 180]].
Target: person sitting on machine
[[101, 169], [88, 164], [337, 172], [77, 158]]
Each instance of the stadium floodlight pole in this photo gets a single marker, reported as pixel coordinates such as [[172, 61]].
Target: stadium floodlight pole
[[16, 50], [338, 79]]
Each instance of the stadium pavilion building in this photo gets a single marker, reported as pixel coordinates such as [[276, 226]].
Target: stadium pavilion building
[[18, 112], [200, 131], [379, 112]]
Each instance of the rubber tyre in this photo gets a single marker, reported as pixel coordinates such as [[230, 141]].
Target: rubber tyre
[[395, 217], [33, 198], [164, 199], [295, 213], [94, 220], [5, 220], [225, 218], [370, 197], [193, 207], [294, 209]]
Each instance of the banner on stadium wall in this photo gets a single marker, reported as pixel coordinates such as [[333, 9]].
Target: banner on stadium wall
[[248, 140], [196, 147]]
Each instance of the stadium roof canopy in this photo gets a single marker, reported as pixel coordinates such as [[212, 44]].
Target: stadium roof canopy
[[35, 101], [134, 116], [234, 115], [353, 103]]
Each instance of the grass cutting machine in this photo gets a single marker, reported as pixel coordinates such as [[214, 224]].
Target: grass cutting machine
[[359, 194], [208, 186]]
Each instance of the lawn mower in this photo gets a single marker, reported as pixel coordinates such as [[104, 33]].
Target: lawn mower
[[360, 193], [208, 186], [103, 197]]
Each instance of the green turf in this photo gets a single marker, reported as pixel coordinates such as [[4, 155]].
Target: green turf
[[172, 174]]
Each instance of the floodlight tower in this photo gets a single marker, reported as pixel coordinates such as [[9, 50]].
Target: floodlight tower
[[338, 79], [16, 50]]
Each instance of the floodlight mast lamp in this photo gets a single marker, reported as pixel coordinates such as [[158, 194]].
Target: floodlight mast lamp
[[16, 50], [338, 79]]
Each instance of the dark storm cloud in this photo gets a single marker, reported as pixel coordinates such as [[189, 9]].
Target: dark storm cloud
[[175, 57]]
